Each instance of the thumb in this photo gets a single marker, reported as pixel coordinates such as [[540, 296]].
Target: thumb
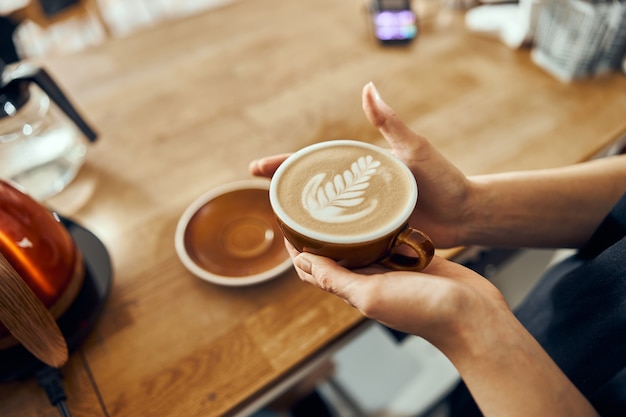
[[403, 140]]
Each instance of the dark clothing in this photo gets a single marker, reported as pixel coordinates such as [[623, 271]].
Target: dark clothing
[[53, 7], [8, 51], [577, 312]]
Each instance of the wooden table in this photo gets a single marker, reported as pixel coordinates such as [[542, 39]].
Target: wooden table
[[185, 106]]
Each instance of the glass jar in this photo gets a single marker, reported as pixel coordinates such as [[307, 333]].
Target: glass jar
[[41, 146]]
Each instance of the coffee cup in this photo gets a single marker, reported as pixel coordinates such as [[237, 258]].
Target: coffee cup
[[350, 201]]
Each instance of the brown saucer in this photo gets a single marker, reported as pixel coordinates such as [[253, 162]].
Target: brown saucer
[[230, 236]]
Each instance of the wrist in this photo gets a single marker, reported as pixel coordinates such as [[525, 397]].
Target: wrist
[[478, 316], [509, 374], [482, 339], [475, 212]]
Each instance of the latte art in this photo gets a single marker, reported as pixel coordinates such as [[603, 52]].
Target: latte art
[[343, 191], [341, 199]]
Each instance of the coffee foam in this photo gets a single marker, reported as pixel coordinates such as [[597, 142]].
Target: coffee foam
[[343, 191]]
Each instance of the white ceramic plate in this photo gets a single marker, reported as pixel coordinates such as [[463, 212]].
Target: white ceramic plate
[[229, 235]]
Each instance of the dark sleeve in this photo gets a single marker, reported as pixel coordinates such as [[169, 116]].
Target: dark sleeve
[[577, 312], [8, 51], [612, 229]]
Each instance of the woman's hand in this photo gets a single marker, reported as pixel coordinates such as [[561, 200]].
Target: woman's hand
[[443, 189], [467, 318], [455, 309], [443, 304], [442, 208]]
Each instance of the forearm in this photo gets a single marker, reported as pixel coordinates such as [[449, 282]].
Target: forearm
[[509, 374], [558, 207]]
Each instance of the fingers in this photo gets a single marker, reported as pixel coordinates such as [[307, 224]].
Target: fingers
[[445, 268], [327, 275], [403, 140], [265, 167]]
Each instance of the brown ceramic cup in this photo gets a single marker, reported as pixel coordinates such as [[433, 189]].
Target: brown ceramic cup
[[350, 201]]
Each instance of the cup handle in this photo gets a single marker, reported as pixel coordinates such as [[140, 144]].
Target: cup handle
[[419, 242]]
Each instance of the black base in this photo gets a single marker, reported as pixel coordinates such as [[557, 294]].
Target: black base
[[16, 363]]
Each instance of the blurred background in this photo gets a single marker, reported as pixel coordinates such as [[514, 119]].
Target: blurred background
[[63, 26], [569, 38]]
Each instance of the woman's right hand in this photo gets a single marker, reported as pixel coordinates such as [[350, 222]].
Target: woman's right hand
[[468, 319], [446, 303]]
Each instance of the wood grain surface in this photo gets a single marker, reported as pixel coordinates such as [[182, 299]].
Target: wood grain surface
[[184, 106]]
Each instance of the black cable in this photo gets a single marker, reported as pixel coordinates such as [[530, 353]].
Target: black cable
[[63, 410], [50, 380]]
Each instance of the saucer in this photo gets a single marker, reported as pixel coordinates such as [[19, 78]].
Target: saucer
[[230, 236]]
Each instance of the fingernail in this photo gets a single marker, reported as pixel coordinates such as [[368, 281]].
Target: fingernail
[[375, 91], [303, 263], [253, 165]]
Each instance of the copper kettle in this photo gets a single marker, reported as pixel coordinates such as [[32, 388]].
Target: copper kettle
[[41, 273]]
